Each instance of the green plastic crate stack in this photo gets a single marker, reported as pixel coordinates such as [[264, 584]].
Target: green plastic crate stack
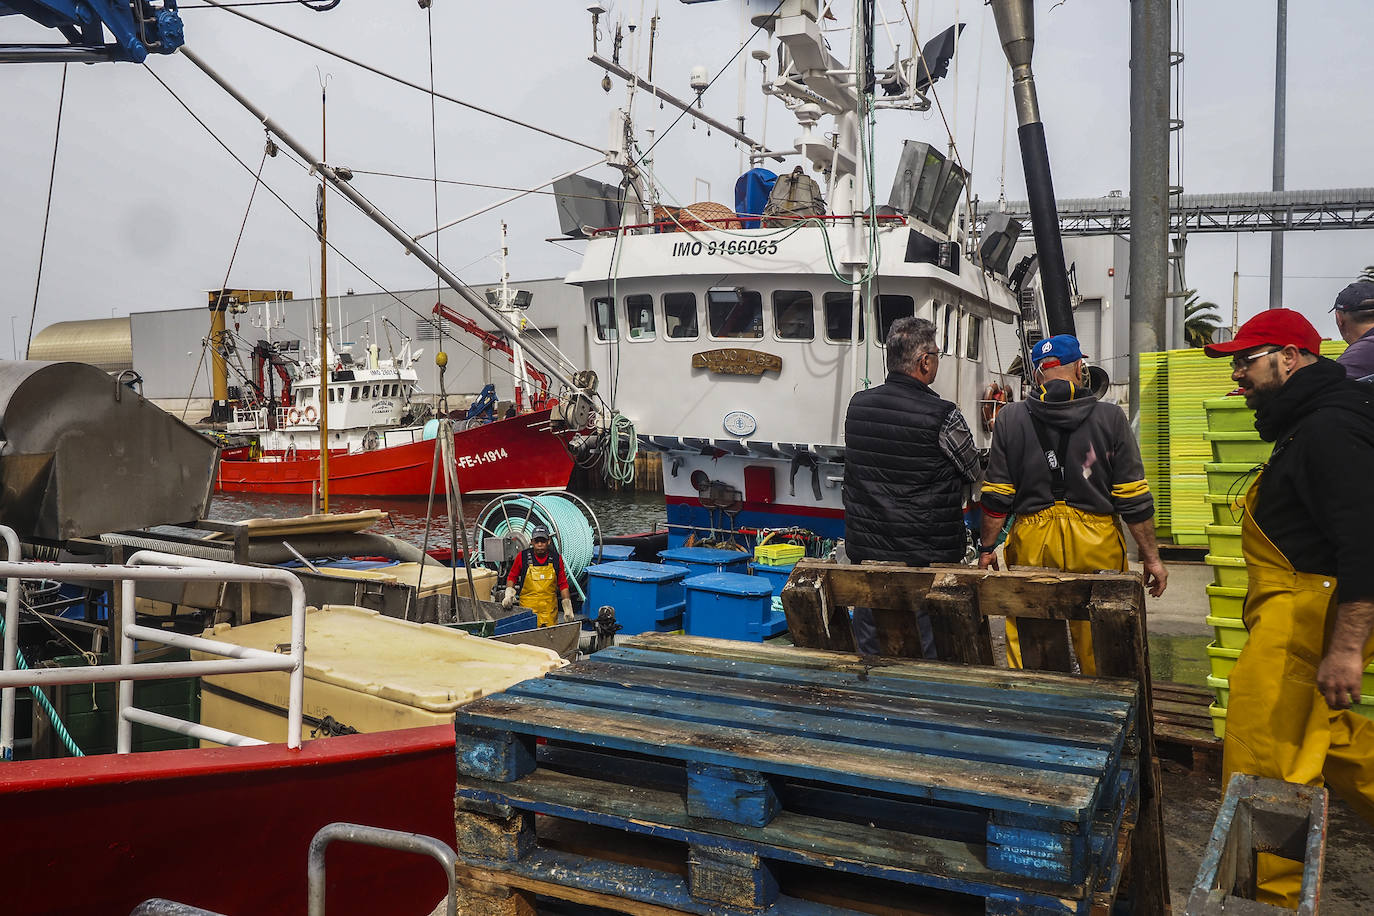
[[1154, 439]]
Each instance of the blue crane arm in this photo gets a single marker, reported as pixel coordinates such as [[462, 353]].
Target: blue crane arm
[[136, 28]]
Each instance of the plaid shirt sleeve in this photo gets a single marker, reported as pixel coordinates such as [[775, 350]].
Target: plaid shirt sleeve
[[956, 441]]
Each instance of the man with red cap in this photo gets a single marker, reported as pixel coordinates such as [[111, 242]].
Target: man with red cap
[[1310, 603]]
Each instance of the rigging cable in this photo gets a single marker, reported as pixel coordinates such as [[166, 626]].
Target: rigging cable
[[434, 168], [47, 209], [404, 82], [302, 220], [268, 148]]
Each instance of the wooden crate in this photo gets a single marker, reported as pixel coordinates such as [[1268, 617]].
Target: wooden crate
[[959, 601], [1261, 815], [768, 769]]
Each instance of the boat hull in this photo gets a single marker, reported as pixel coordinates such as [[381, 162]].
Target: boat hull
[[227, 829], [515, 454]]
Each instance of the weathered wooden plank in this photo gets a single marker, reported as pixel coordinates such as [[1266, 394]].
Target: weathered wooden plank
[[730, 794], [1060, 795], [477, 897], [855, 738], [1114, 701], [814, 619], [735, 879], [961, 632], [1011, 719], [488, 837], [486, 754], [851, 848], [816, 660]]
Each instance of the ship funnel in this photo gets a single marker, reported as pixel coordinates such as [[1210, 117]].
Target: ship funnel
[[1015, 21]]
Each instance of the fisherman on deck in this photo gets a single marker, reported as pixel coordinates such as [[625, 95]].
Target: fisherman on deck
[[1310, 603], [909, 458], [1066, 465], [538, 577], [1354, 310]]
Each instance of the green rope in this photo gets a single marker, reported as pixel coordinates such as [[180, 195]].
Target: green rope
[[573, 536], [41, 699], [622, 445]]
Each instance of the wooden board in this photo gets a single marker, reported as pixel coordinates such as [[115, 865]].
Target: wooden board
[[334, 523], [937, 781]]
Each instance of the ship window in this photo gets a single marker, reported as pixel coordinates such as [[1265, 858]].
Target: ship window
[[353, 391], [839, 316], [734, 312], [331, 395], [339, 394], [890, 308], [680, 315], [973, 342], [951, 331], [367, 392], [603, 318], [639, 313], [794, 314]]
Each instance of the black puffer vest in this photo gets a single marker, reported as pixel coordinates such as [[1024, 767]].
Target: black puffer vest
[[903, 497]]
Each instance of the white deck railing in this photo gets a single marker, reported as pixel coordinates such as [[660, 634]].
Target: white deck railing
[[140, 567]]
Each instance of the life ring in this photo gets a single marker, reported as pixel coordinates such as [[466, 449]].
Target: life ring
[[994, 398], [293, 417], [310, 415], [371, 440]]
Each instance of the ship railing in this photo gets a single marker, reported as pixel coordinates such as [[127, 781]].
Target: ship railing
[[152, 566]]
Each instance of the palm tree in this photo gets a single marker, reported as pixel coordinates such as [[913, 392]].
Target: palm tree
[[1200, 321]]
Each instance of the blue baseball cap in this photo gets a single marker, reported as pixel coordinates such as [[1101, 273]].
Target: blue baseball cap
[[1357, 297], [1063, 348]]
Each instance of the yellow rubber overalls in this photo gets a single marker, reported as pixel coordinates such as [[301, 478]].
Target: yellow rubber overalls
[[540, 591], [1062, 537], [1278, 724]]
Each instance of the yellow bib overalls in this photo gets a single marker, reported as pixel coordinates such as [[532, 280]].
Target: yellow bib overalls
[[540, 592], [1062, 537], [1278, 724]]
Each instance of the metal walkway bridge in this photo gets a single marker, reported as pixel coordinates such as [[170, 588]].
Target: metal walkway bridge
[[1262, 211]]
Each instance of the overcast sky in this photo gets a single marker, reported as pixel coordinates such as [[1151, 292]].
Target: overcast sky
[[147, 206]]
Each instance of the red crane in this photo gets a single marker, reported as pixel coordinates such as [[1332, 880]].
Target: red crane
[[496, 342]]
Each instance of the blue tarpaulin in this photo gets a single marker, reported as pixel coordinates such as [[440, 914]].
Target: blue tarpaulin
[[751, 195]]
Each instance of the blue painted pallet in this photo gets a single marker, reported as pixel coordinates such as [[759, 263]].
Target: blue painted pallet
[[1013, 797]]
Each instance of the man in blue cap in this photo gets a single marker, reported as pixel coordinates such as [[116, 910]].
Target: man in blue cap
[[1066, 465], [1354, 311]]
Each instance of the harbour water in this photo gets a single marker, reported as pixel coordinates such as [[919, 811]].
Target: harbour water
[[618, 513]]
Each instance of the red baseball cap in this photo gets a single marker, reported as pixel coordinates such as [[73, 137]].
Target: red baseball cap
[[1274, 327]]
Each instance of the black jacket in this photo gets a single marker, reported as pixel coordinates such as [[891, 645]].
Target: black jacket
[[1316, 498], [903, 497]]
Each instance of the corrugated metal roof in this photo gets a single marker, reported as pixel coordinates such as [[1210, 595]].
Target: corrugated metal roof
[[106, 343]]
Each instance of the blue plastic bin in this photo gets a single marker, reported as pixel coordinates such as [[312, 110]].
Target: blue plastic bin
[[647, 597], [731, 606], [614, 553], [776, 576], [701, 561]]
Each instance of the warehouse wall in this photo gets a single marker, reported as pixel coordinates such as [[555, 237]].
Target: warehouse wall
[[167, 345]]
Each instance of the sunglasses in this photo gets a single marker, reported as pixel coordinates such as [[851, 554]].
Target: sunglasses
[[1243, 362]]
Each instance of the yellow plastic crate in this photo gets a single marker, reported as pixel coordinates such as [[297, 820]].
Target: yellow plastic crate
[[1229, 414], [1218, 720], [1226, 510], [1222, 659], [1223, 540], [1226, 602], [1239, 447], [1222, 687], [1231, 632], [1230, 479], [1230, 572], [778, 554]]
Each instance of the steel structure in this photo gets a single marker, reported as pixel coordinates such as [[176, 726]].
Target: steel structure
[[1260, 211]]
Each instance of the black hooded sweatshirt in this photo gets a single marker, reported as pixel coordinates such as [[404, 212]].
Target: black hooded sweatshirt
[[1316, 498]]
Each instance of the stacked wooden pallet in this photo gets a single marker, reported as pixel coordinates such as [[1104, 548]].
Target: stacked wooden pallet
[[715, 778]]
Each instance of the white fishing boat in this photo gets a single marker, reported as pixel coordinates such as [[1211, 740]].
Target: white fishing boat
[[747, 333]]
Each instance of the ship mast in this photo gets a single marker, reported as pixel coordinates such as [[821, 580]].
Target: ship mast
[[517, 325], [324, 311]]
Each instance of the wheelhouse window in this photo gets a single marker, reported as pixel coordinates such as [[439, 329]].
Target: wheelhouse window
[[734, 312], [890, 308], [973, 340], [353, 392], [603, 318], [839, 317], [950, 331], [639, 314], [680, 315], [794, 314]]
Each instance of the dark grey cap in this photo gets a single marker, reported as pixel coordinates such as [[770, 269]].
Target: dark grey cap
[[539, 531], [1357, 297]]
